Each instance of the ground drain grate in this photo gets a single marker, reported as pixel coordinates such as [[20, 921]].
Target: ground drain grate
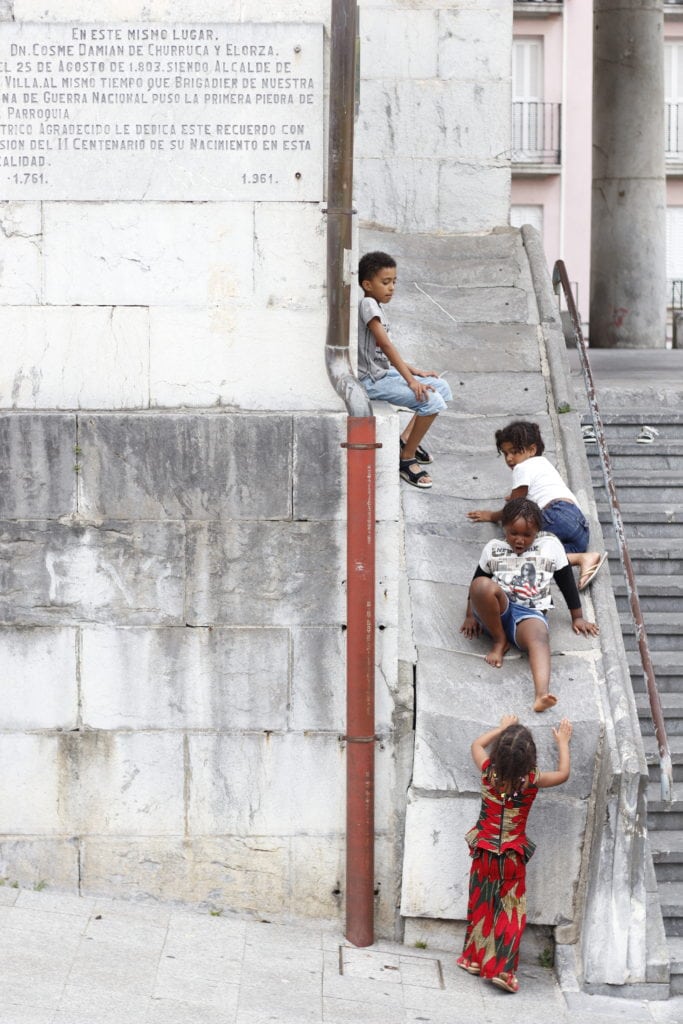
[[395, 968]]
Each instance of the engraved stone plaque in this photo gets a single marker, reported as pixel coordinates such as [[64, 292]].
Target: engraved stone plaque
[[161, 111]]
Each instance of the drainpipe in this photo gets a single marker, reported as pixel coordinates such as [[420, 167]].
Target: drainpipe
[[360, 447]]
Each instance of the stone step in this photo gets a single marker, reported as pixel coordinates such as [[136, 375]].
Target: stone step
[[666, 845], [668, 669], [656, 593], [672, 707], [635, 485], [639, 521], [675, 947], [649, 555], [664, 631], [671, 902], [652, 756], [664, 820], [617, 421]]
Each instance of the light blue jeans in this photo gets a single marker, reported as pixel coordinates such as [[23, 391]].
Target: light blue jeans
[[394, 388]]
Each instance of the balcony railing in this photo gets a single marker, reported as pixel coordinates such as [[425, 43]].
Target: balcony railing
[[536, 132], [675, 295], [674, 131]]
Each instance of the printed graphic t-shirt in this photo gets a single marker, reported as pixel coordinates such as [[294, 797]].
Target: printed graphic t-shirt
[[525, 578]]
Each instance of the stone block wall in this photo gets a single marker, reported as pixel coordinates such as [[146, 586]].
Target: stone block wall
[[433, 133], [172, 646]]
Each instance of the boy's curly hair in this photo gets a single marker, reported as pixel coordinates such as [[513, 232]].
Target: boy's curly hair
[[524, 508], [371, 263], [521, 435], [513, 756]]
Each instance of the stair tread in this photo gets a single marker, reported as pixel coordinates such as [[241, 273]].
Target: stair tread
[[655, 803], [656, 622], [637, 418], [667, 663], [657, 583], [670, 702], [663, 841], [675, 946], [675, 747]]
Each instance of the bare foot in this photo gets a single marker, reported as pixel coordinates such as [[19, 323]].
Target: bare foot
[[497, 653], [545, 701]]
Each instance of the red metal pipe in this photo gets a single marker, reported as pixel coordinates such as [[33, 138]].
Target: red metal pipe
[[360, 675]]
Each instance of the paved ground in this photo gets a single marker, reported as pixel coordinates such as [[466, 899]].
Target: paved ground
[[68, 960], [632, 378]]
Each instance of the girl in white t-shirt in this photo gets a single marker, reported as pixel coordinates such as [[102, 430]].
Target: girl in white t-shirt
[[535, 478]]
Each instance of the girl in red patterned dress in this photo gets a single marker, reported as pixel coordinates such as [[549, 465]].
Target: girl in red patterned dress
[[500, 849]]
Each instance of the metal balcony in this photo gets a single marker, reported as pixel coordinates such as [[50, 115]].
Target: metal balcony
[[535, 134]]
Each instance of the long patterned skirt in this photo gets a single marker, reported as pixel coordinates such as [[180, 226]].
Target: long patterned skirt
[[496, 911]]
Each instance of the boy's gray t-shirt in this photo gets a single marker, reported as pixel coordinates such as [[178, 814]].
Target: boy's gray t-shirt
[[372, 362]]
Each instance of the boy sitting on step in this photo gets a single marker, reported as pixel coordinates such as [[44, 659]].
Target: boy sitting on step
[[386, 376]]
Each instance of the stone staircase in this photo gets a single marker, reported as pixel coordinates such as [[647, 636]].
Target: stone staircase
[[649, 482]]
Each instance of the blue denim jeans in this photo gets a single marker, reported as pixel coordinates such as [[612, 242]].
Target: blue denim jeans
[[394, 388], [512, 616], [568, 523]]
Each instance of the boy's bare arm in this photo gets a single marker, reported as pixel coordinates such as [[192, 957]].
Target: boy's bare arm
[[384, 342]]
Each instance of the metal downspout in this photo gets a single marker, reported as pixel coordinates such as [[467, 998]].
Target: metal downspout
[[360, 446]]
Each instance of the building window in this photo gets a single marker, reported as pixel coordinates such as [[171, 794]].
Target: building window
[[674, 255], [673, 95], [535, 124], [533, 215]]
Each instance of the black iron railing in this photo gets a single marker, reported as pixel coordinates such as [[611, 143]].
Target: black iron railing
[[561, 279], [536, 132], [675, 290]]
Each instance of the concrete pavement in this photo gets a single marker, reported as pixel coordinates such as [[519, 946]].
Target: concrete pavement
[[71, 960]]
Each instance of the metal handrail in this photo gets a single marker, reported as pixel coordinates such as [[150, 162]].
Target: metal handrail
[[560, 277]]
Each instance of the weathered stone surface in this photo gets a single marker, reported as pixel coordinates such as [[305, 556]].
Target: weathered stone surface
[[409, 43], [318, 678], [177, 466], [44, 366], [474, 348], [226, 872], [30, 861], [457, 106], [147, 254], [436, 872], [271, 573], [130, 573], [126, 784], [180, 678], [20, 250], [37, 473], [474, 42], [319, 467], [219, 367], [299, 230], [253, 784], [31, 805], [442, 761], [38, 683]]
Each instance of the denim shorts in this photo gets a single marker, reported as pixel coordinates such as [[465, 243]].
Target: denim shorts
[[394, 388], [568, 523], [512, 616]]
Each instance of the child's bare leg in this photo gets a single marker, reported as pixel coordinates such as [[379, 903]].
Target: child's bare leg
[[405, 433], [419, 425], [489, 602], [585, 561], [532, 636]]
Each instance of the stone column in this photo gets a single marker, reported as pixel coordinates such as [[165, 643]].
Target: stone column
[[628, 268]]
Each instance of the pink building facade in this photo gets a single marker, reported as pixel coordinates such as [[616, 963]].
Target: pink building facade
[[552, 134]]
